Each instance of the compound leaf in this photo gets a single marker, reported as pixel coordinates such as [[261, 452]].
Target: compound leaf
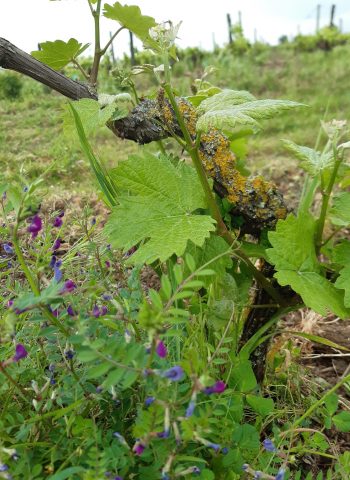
[[159, 209], [294, 257], [311, 161], [214, 250], [58, 54], [130, 17]]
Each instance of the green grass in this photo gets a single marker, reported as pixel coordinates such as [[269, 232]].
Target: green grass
[[31, 136]]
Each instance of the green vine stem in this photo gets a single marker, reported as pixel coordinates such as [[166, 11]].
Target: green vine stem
[[326, 195], [192, 149]]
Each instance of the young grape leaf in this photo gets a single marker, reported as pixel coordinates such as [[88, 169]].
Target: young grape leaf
[[221, 100], [90, 113], [225, 113], [311, 161], [130, 17], [294, 257], [159, 209], [59, 53], [340, 211]]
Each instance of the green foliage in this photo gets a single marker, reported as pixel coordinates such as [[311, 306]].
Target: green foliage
[[340, 211], [58, 54], [230, 109], [161, 203], [130, 17], [10, 86], [294, 257], [90, 114], [311, 161]]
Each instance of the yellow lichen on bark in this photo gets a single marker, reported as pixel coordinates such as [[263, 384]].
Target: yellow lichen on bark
[[255, 198]]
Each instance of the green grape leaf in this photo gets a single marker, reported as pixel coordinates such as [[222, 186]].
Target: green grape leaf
[[342, 421], [343, 283], [340, 211], [225, 113], [311, 161], [90, 114], [158, 210], [221, 100], [294, 257], [58, 54], [213, 247], [130, 17]]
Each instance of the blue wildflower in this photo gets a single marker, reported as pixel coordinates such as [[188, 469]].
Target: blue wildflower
[[174, 374], [149, 401], [269, 445], [190, 409], [3, 467], [8, 249], [280, 474]]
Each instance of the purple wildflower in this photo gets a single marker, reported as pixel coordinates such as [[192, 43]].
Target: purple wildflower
[[269, 445], [161, 349], [55, 312], [57, 222], [68, 286], [99, 312], [196, 470], [280, 474], [35, 226], [69, 354], [224, 451], [257, 475], [25, 189], [8, 249], [21, 352], [4, 467], [108, 264], [70, 311], [245, 466], [9, 303], [118, 477], [138, 448], [149, 401], [218, 387], [61, 214], [93, 221], [163, 434], [190, 409], [53, 261], [56, 244], [174, 374]]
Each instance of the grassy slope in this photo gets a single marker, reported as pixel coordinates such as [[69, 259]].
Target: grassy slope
[[30, 128]]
